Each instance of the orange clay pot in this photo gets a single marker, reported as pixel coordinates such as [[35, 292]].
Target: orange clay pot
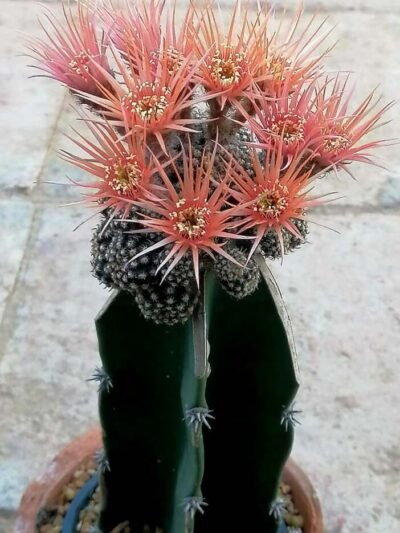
[[45, 491]]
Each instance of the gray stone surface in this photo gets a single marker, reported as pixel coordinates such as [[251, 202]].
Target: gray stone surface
[[45, 417], [339, 7], [342, 290], [389, 193], [56, 182], [15, 221], [49, 353], [52, 295], [7, 523], [28, 108], [383, 6]]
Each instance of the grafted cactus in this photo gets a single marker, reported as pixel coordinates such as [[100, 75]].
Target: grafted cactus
[[204, 140]]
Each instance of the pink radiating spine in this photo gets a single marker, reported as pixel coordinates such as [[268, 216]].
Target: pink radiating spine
[[302, 122], [193, 215], [74, 52], [122, 169]]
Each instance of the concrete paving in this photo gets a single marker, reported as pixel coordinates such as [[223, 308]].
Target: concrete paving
[[342, 290]]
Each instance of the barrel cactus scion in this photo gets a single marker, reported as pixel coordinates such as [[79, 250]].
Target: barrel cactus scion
[[203, 135]]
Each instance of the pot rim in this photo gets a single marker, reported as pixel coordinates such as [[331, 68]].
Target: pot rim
[[45, 490]]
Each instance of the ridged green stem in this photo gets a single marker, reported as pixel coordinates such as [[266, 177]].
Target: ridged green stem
[[154, 376]]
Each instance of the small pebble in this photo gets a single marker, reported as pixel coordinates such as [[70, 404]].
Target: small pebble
[[58, 521], [86, 526], [295, 520], [62, 509], [291, 508], [79, 483], [69, 493]]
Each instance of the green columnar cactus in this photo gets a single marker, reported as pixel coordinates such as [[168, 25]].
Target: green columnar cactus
[[251, 386], [153, 410], [149, 382]]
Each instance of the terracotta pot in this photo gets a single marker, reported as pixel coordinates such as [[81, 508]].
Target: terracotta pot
[[44, 492], [304, 497]]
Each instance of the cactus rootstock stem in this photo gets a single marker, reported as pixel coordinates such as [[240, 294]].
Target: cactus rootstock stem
[[160, 374], [200, 333], [196, 415]]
